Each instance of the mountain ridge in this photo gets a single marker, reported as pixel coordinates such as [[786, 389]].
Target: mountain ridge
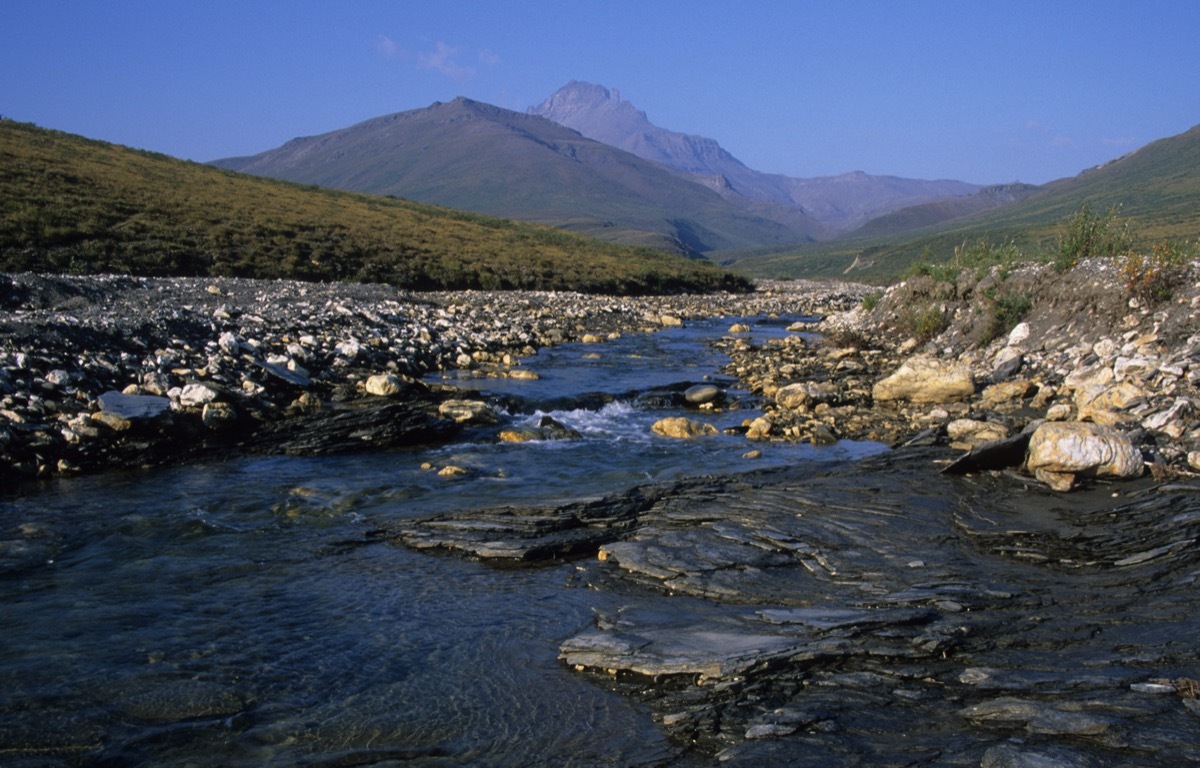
[[841, 202], [1156, 188], [475, 156]]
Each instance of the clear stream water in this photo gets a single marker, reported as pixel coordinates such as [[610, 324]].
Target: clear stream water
[[227, 613]]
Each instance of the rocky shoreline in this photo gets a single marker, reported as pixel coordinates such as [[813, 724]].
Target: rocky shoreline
[[112, 371], [107, 372], [1084, 353]]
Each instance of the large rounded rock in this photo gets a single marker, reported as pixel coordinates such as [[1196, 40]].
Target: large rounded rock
[[682, 427], [926, 380], [383, 385], [1059, 452], [701, 394]]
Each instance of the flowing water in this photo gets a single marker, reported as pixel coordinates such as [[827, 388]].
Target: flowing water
[[230, 613]]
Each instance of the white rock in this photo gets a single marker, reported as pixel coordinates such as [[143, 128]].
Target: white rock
[[1134, 367], [926, 380], [1061, 451], [1018, 334], [350, 348], [228, 342], [468, 411], [196, 394], [1161, 419], [58, 377]]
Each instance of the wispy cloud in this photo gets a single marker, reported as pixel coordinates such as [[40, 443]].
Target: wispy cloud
[[443, 59], [386, 47], [1041, 134], [489, 58]]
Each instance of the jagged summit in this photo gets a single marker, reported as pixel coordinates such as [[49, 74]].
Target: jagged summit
[[599, 113]]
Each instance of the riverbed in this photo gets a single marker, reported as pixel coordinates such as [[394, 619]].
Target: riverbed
[[229, 612], [820, 606]]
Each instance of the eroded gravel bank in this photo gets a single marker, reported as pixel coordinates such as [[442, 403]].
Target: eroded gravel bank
[[220, 364]]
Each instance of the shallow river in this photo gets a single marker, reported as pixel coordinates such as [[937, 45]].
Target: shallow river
[[229, 613]]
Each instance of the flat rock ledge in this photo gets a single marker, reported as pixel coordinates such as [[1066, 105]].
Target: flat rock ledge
[[782, 617]]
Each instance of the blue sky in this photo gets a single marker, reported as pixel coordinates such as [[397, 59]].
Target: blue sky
[[985, 92]]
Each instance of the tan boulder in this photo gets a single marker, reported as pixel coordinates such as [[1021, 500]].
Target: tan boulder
[[467, 411], [682, 427], [523, 373], [1059, 452], [1007, 392], [520, 435], [383, 385], [804, 394], [759, 429], [968, 433], [1107, 404], [926, 380]]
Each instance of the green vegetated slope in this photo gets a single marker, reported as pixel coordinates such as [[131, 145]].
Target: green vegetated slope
[[1157, 188], [70, 204], [474, 156]]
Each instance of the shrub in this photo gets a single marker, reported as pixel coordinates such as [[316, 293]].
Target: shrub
[[980, 255], [871, 300], [923, 322], [941, 273], [1008, 309], [1152, 278], [1092, 234]]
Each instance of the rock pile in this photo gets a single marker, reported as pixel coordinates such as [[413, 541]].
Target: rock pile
[[1085, 352]]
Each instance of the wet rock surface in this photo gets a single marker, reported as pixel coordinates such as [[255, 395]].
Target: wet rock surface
[[881, 613]]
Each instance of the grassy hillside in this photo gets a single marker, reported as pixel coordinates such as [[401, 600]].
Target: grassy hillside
[[1157, 188], [69, 204]]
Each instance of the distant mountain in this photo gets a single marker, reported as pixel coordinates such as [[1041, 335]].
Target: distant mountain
[[947, 209], [473, 156], [841, 202], [1156, 187], [70, 204]]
